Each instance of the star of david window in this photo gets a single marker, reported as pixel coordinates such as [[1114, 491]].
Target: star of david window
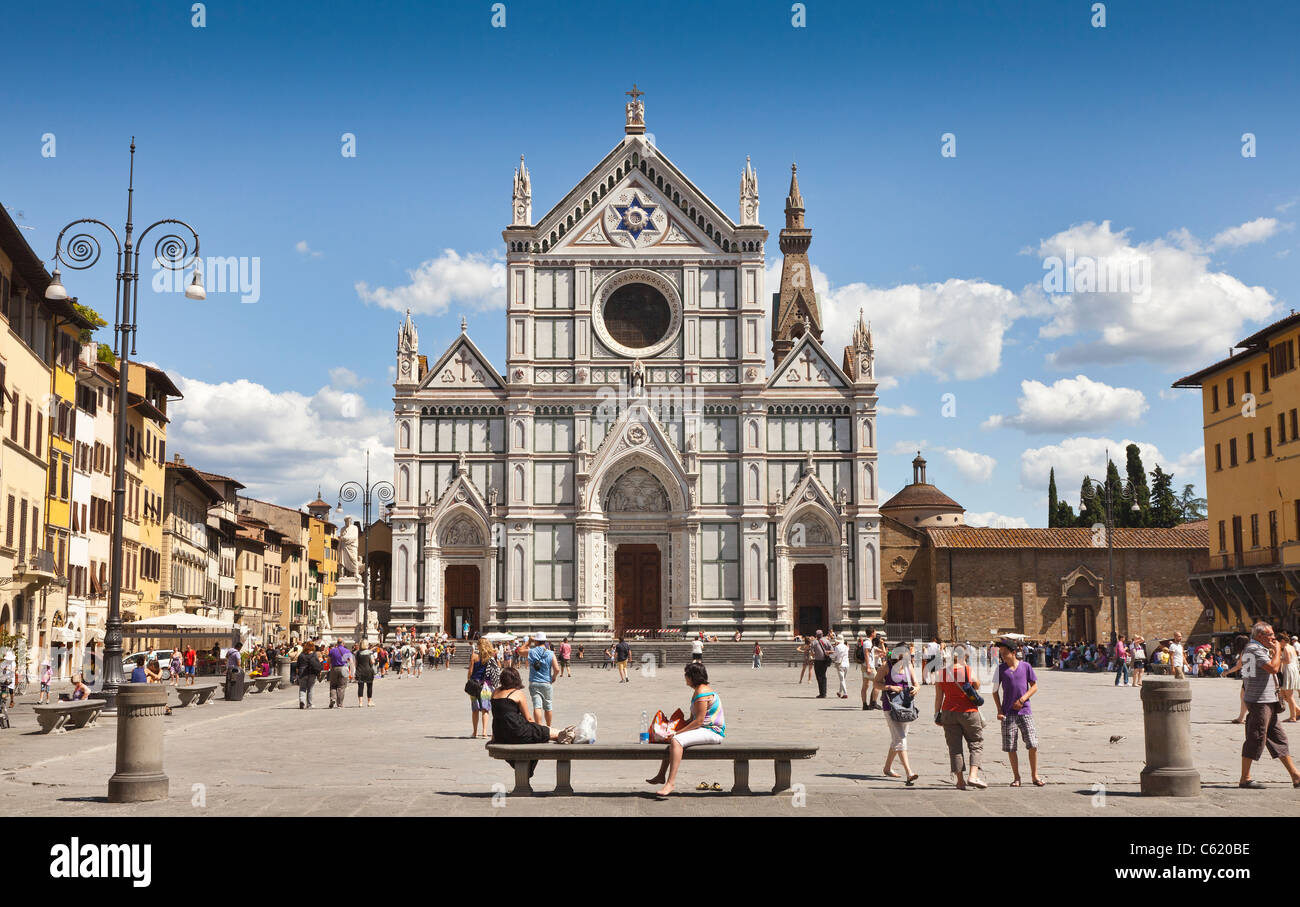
[[637, 315], [635, 217]]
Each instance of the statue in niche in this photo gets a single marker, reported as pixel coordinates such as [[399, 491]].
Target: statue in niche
[[636, 379]]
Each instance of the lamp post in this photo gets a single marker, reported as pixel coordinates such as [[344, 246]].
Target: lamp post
[[82, 251], [1106, 495], [383, 493]]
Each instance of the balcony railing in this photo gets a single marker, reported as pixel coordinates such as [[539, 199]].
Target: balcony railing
[[37, 561], [1235, 560]]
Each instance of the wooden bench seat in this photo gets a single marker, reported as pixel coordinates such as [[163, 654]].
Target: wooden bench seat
[[198, 694], [57, 717], [563, 755]]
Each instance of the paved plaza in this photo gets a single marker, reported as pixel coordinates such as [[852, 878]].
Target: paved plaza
[[410, 755]]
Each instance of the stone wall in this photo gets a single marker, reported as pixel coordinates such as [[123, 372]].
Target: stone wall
[[1021, 589]]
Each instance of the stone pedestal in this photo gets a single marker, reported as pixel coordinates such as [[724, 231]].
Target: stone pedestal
[[1167, 725], [345, 611], [282, 668], [139, 775]]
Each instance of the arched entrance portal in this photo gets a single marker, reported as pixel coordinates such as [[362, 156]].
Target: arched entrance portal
[[1081, 611], [810, 598], [637, 506], [461, 585]]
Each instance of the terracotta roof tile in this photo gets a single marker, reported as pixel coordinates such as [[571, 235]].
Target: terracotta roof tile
[[1187, 535]]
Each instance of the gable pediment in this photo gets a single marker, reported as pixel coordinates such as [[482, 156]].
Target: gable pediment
[[463, 366], [807, 365], [633, 216], [589, 219]]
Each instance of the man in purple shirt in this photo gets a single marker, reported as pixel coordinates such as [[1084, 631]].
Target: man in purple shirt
[[340, 672], [1014, 683]]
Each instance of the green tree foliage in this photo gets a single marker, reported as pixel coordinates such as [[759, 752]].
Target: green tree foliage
[[1053, 504], [1191, 507], [104, 353], [1141, 492], [1091, 509], [1166, 509]]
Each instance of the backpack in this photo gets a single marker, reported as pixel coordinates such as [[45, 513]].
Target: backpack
[[860, 652]]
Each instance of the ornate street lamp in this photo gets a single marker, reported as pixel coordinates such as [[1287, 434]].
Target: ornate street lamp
[[383, 493], [82, 250], [1107, 496]]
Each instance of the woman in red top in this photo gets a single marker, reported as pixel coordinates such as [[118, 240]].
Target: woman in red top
[[960, 718]]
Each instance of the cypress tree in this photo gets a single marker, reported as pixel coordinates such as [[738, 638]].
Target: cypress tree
[[1091, 511], [1137, 478], [1053, 505]]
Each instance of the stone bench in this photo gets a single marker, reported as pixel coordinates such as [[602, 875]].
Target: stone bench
[[258, 684], [562, 754], [57, 717], [198, 694]]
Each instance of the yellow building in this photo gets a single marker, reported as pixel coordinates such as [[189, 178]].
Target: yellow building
[[59, 623], [148, 389], [1249, 405], [323, 556], [26, 566]]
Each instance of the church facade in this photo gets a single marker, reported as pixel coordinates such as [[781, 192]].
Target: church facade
[[637, 465]]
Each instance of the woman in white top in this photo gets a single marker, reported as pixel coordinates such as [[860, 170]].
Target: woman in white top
[[1290, 675], [840, 658], [1139, 653]]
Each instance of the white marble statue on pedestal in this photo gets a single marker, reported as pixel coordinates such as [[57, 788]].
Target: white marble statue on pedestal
[[348, 548]]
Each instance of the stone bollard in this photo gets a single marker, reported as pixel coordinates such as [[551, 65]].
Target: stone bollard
[[282, 668], [1167, 724], [139, 775]]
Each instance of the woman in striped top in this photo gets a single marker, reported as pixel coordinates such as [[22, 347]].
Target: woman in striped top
[[707, 726]]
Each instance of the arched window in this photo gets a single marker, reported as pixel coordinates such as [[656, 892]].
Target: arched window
[[517, 573], [404, 479], [405, 436], [403, 573]]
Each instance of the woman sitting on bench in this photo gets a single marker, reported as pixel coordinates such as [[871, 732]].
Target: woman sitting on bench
[[707, 725], [512, 715]]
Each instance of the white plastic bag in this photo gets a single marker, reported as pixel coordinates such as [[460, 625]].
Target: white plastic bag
[[586, 732]]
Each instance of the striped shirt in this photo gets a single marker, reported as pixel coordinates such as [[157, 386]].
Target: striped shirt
[[1260, 686]]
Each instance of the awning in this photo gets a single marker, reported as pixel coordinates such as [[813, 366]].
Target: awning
[[181, 621]]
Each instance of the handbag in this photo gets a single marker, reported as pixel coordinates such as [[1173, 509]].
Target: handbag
[[474, 688], [662, 727], [902, 706]]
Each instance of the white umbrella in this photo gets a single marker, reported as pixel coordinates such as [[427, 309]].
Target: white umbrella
[[180, 621], [499, 637]]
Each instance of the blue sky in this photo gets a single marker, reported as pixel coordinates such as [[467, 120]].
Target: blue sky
[[1061, 128]]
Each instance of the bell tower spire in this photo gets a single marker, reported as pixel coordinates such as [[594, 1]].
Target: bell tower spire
[[795, 305]]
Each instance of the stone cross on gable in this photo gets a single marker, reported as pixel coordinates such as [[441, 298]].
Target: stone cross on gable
[[809, 362], [465, 361]]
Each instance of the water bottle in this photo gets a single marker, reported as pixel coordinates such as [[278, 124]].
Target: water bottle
[[645, 727]]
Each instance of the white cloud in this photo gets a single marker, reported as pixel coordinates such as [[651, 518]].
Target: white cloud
[[282, 445], [1071, 404], [1073, 458], [951, 329], [1189, 316], [902, 448], [304, 249], [903, 410], [344, 378], [996, 520], [976, 467], [1257, 230], [473, 281]]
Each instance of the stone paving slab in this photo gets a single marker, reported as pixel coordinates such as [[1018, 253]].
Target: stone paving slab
[[410, 755]]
